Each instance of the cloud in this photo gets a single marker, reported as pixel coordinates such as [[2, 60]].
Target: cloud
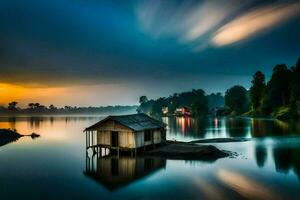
[[206, 16], [254, 21], [205, 23], [187, 21]]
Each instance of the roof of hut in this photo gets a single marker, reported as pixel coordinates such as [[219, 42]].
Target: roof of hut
[[136, 122]]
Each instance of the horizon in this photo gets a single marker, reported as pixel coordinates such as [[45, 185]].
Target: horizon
[[89, 53]]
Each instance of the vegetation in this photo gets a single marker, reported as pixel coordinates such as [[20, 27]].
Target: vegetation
[[280, 97], [257, 92], [236, 99], [37, 108], [196, 100]]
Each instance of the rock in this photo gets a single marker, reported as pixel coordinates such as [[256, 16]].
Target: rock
[[7, 136], [188, 151], [34, 135]]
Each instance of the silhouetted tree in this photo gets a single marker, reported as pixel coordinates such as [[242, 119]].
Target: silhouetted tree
[[278, 89], [143, 99], [257, 90], [52, 107], [215, 100], [236, 99], [12, 105], [31, 106], [295, 91]]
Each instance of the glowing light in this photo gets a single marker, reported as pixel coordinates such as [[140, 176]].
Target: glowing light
[[216, 122]]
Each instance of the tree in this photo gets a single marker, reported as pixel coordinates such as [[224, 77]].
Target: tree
[[236, 99], [277, 90], [295, 91], [52, 107], [215, 100], [257, 90], [31, 106], [37, 105], [143, 99], [12, 105]]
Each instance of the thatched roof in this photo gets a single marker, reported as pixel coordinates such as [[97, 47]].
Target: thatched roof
[[136, 122]]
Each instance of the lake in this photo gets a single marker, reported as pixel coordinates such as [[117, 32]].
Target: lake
[[55, 165]]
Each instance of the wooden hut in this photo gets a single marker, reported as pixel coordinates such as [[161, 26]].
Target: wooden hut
[[125, 133]]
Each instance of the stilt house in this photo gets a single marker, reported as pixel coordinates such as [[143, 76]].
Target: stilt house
[[126, 132]]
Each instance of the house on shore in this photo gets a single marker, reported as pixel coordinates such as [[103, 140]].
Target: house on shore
[[183, 111], [125, 133]]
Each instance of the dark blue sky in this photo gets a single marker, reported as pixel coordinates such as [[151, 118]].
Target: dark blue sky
[[143, 47]]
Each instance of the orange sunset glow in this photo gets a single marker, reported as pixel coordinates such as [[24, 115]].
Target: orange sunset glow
[[10, 92]]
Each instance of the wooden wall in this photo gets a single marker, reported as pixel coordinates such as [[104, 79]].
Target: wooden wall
[[126, 135], [127, 138]]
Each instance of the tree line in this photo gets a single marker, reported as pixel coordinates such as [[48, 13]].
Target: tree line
[[37, 108], [198, 102], [279, 97]]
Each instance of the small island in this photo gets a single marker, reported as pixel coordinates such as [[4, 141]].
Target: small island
[[8, 136], [140, 134]]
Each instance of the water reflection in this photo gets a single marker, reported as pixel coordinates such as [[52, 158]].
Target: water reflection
[[261, 155], [186, 128], [284, 156], [246, 186], [115, 172], [267, 164], [286, 159]]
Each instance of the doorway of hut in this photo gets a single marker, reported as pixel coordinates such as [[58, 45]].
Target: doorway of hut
[[114, 139]]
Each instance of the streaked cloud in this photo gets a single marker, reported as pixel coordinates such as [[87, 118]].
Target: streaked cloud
[[211, 22], [188, 21], [206, 16], [255, 21]]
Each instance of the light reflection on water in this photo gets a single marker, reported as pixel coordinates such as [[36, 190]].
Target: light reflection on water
[[54, 166], [186, 129]]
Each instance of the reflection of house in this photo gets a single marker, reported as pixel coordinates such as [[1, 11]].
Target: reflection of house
[[183, 111], [125, 132], [114, 172]]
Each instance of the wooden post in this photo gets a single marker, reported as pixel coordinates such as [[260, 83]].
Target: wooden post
[[88, 138], [118, 152], [86, 144]]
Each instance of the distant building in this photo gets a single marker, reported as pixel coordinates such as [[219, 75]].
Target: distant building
[[165, 110], [183, 111], [125, 132]]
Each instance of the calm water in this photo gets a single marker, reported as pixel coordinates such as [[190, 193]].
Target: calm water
[[55, 165]]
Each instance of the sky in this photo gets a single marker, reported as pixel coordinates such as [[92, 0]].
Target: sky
[[93, 52]]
